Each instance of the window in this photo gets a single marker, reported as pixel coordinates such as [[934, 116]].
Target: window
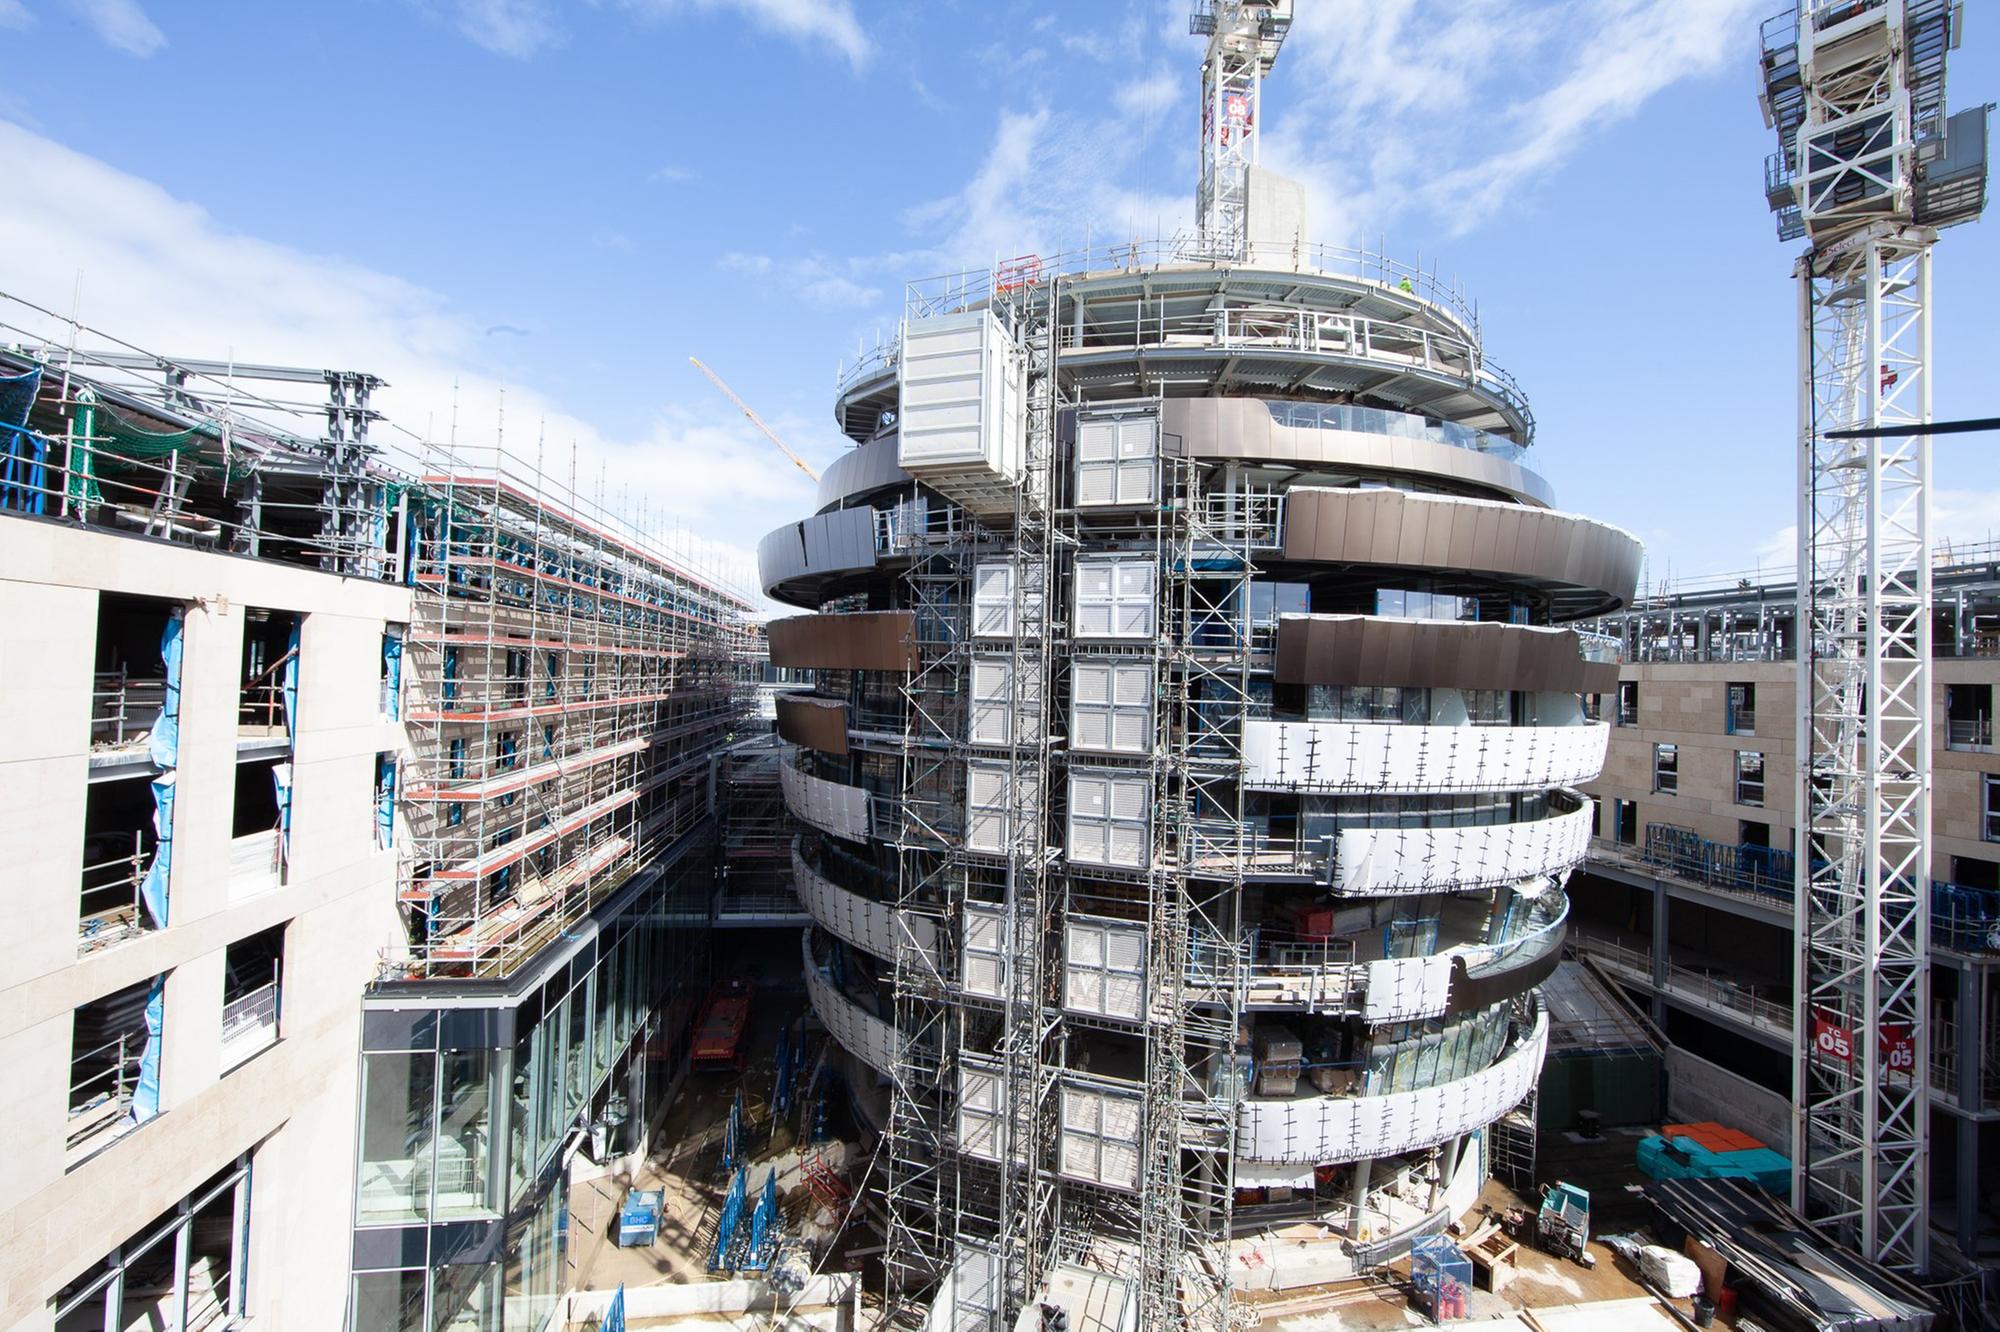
[[1628, 702], [1593, 707], [1740, 711], [1111, 706], [1627, 812], [1116, 460], [181, 1271], [385, 801], [392, 672], [1751, 832], [1989, 829], [1749, 777], [252, 975], [1114, 598], [1666, 769], [1968, 716], [114, 1065]]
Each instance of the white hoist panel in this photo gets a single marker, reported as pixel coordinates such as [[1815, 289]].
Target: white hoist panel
[[985, 950], [1117, 461], [999, 712], [1114, 597], [995, 609], [1109, 818], [1100, 1136], [1111, 705], [960, 407], [1104, 968]]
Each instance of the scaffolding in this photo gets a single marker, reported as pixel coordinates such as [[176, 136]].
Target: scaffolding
[[567, 685]]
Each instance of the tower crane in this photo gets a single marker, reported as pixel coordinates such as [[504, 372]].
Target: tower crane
[[755, 419], [1243, 41], [1869, 168]]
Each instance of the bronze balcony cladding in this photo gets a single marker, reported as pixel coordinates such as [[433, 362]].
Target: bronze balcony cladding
[[813, 723], [1370, 650], [858, 641], [1244, 429], [1517, 973], [1588, 567]]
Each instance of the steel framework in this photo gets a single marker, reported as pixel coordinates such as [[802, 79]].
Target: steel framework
[[1864, 171], [1243, 41]]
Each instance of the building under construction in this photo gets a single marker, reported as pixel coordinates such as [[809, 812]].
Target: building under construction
[[340, 741], [1190, 781]]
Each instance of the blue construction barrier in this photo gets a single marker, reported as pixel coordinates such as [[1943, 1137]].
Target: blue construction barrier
[[732, 1216]]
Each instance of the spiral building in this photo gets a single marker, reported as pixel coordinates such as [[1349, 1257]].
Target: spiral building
[[1188, 787]]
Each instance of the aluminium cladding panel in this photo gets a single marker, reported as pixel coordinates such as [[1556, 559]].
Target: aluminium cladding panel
[[1378, 861], [1243, 428], [1382, 758], [860, 471], [1104, 967], [1111, 705], [826, 543], [1330, 1130], [855, 641], [812, 723], [961, 404], [1377, 650], [832, 807], [1099, 1142], [874, 927], [1595, 564], [1110, 818]]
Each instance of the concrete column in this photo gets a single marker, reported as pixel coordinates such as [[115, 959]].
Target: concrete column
[[205, 779], [1660, 955], [1357, 1204]]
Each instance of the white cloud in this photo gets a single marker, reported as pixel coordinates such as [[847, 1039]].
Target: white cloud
[[513, 28], [1456, 109], [813, 279], [121, 25], [161, 273], [15, 15], [671, 175], [824, 23]]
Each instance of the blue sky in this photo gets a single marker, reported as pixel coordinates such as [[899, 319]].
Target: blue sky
[[563, 201]]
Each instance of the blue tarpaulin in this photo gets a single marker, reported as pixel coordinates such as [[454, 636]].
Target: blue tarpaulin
[[164, 746], [385, 801], [23, 454], [392, 673], [153, 888], [146, 1096]]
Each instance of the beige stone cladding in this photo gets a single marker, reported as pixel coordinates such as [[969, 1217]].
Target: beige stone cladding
[[293, 1104]]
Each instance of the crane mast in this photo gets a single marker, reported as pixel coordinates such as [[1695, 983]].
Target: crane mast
[[1243, 41], [1868, 169]]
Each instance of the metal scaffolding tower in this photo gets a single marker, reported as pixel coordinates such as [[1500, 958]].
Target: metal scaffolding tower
[[1243, 41], [1868, 169]]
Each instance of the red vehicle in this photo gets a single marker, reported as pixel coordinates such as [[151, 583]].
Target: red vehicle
[[719, 1031]]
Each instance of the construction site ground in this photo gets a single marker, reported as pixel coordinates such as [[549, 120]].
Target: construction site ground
[[1560, 1293], [685, 1163]]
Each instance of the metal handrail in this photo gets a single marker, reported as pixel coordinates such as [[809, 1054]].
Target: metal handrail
[[122, 709], [102, 1097]]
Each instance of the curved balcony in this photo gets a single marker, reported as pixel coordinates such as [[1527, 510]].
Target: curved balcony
[[811, 722], [831, 807], [873, 927], [861, 471], [1377, 862], [1316, 319], [1370, 439], [1329, 1130], [1455, 979], [859, 1032], [797, 560], [1441, 654], [1387, 758], [856, 641], [1586, 567]]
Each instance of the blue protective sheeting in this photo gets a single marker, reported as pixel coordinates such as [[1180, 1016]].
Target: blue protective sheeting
[[290, 685], [23, 454], [392, 672], [153, 888], [385, 802], [146, 1097], [164, 745]]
